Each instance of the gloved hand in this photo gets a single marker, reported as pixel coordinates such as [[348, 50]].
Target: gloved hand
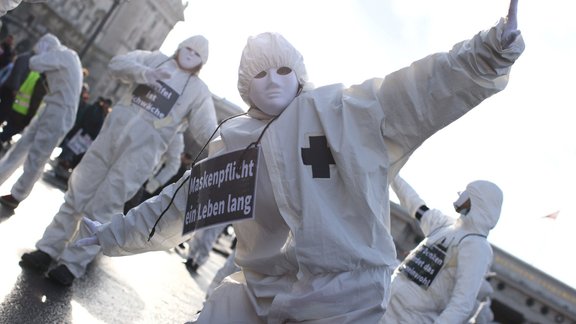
[[511, 27], [152, 185], [92, 228], [152, 75]]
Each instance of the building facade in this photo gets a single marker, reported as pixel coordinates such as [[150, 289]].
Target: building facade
[[97, 30]]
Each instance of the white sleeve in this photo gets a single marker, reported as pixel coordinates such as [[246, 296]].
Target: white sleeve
[[409, 198], [130, 67], [431, 219], [128, 234], [49, 61], [431, 93]]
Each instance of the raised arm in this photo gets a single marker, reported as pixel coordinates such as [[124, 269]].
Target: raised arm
[[511, 27], [433, 92], [409, 198], [135, 67]]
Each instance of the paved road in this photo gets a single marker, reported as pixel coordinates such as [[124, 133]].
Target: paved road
[[147, 288]]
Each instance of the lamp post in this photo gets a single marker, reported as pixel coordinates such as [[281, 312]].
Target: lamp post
[[115, 4]]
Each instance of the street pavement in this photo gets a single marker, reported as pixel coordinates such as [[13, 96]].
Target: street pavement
[[153, 287]]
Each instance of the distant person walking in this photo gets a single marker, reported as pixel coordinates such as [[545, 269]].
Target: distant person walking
[[64, 76]]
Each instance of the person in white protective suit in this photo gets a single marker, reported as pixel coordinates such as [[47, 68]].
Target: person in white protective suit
[[200, 246], [319, 248], [167, 97], [7, 5], [440, 280], [63, 71]]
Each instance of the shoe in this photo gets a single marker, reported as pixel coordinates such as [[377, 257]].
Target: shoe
[[61, 275], [38, 260], [9, 201], [191, 266]]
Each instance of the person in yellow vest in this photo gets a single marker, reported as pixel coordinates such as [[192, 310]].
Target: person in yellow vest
[[26, 104], [47, 129], [11, 85]]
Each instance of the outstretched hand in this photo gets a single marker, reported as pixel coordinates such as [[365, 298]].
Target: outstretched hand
[[92, 228], [511, 27]]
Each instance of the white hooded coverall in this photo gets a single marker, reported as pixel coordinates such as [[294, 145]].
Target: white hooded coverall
[[451, 297], [63, 71], [127, 149], [319, 249]]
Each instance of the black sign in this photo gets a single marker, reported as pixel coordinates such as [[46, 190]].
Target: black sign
[[423, 264], [157, 99], [221, 190]]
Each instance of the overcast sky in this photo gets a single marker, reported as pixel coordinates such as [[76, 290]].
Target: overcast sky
[[523, 138]]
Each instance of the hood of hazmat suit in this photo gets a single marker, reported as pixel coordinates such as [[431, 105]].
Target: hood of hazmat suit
[[266, 51], [486, 203], [47, 43], [199, 44]]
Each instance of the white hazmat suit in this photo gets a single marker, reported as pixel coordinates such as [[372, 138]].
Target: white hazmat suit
[[319, 248], [129, 146], [63, 71], [440, 279]]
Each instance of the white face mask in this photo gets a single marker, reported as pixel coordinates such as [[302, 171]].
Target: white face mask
[[273, 90], [188, 58]]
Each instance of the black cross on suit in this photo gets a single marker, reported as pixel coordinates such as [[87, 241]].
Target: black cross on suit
[[319, 156]]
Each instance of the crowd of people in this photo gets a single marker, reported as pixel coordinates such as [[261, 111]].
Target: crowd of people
[[318, 245]]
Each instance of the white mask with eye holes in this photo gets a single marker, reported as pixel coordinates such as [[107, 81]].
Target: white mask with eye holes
[[188, 58], [273, 90]]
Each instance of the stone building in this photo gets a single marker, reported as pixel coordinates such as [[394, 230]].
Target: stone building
[[97, 30]]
